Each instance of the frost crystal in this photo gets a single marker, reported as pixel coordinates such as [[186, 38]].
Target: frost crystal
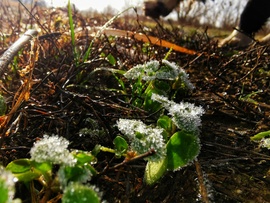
[[7, 183], [154, 70], [143, 138], [147, 71], [185, 115], [265, 142], [52, 149]]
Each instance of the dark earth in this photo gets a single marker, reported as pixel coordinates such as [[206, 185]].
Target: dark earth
[[231, 84]]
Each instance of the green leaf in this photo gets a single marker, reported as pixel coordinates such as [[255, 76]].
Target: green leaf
[[85, 160], [3, 191], [26, 170], [149, 104], [111, 59], [167, 124], [91, 169], [120, 145], [19, 166], [96, 150], [75, 174], [182, 148], [72, 34], [260, 136], [44, 169], [21, 169], [84, 157], [155, 170], [157, 87], [77, 193], [3, 105]]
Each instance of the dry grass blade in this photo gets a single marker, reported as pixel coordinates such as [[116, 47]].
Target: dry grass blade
[[23, 93], [144, 38], [149, 39]]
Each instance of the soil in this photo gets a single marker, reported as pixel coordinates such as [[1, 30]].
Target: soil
[[232, 86]]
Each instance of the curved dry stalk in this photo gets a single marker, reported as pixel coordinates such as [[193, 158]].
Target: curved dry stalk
[[9, 54]]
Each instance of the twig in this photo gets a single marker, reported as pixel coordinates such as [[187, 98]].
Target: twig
[[203, 190], [7, 57], [141, 156]]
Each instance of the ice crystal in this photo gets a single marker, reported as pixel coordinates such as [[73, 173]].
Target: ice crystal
[[143, 138], [52, 149], [185, 115]]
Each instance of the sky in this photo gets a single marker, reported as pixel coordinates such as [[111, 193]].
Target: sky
[[98, 5]]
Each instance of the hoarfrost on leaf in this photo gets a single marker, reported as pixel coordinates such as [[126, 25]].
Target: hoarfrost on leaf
[[66, 174], [179, 72], [147, 71], [163, 71], [7, 184], [143, 138], [52, 149], [185, 115]]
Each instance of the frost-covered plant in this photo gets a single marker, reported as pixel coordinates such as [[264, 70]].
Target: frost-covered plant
[[143, 138], [155, 70], [75, 168], [7, 186], [88, 193], [52, 149], [185, 115], [174, 138], [163, 78]]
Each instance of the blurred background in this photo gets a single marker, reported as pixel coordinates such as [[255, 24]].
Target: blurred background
[[213, 14]]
